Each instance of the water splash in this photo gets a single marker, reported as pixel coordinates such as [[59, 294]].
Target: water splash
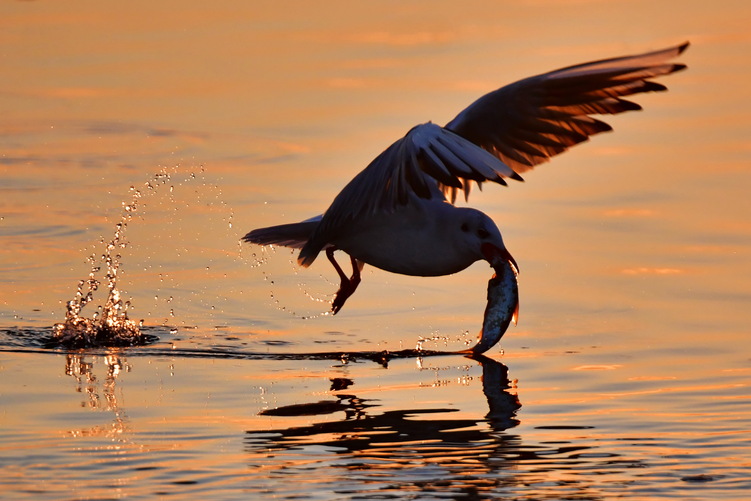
[[109, 325]]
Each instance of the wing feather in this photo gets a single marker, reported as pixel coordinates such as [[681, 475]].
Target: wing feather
[[428, 162], [549, 113]]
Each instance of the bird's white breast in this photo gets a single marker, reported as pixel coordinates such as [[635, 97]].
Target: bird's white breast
[[418, 239]]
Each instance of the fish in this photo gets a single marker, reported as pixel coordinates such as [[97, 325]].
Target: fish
[[502, 307]]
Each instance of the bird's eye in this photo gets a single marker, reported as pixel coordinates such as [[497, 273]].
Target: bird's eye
[[465, 227], [483, 233]]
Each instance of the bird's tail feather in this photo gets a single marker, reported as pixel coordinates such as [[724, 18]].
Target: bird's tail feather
[[294, 235]]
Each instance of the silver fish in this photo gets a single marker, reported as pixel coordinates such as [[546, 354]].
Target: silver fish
[[502, 308]]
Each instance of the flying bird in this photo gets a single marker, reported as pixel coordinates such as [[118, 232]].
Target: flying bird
[[398, 214]]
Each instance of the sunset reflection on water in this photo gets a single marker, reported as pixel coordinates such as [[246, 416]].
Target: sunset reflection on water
[[626, 376]]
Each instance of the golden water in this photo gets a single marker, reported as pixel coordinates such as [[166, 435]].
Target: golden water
[[628, 372]]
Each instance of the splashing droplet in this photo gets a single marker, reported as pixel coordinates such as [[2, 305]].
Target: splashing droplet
[[109, 325]]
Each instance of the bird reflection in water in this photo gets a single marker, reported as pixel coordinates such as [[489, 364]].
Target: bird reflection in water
[[400, 453], [362, 429]]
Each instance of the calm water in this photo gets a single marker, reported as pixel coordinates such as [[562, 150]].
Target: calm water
[[627, 376]]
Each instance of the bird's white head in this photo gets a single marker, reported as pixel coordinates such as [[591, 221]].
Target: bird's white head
[[481, 234]]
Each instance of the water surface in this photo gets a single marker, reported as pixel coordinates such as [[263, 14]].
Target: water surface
[[627, 376]]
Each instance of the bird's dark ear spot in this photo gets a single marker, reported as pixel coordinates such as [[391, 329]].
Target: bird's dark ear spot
[[465, 227]]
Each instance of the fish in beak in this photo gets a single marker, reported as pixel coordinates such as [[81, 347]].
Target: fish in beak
[[503, 298], [498, 257]]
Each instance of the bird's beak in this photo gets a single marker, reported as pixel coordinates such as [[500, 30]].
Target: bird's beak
[[498, 256]]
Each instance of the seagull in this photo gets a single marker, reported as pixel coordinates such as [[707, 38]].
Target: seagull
[[398, 214]]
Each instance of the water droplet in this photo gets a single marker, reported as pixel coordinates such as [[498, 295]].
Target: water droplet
[[110, 324]]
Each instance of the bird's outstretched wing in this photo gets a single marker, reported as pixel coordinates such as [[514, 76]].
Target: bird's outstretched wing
[[529, 121], [416, 166], [502, 134]]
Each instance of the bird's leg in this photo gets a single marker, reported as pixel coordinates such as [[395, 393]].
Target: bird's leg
[[348, 285]]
